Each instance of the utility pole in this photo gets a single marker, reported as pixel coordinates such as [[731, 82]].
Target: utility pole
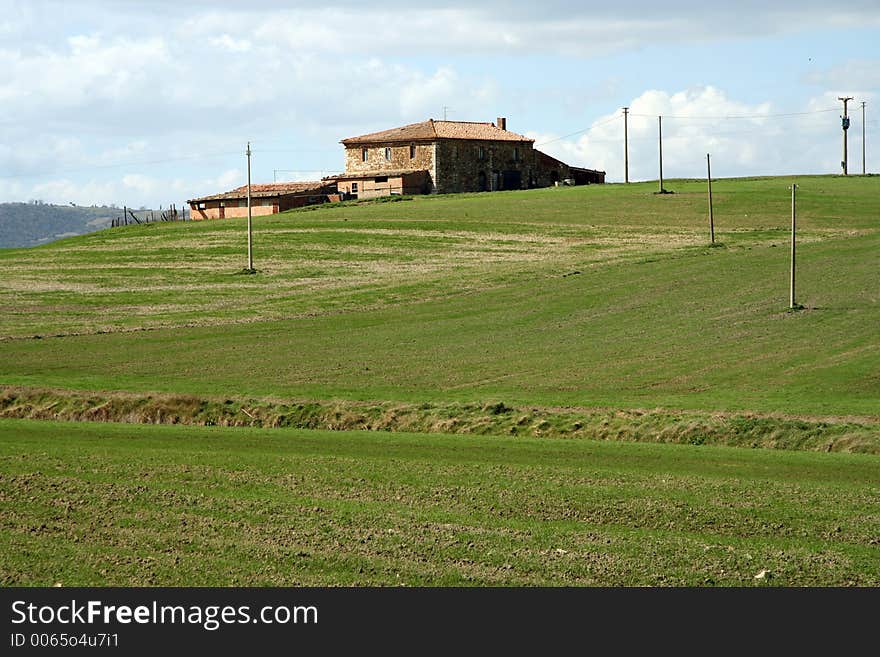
[[250, 266], [845, 123], [792, 303], [445, 108], [660, 138], [711, 216], [863, 138], [625, 145]]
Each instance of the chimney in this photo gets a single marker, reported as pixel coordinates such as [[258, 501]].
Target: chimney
[[502, 123]]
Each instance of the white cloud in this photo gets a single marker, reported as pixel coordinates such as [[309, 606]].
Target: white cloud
[[743, 138], [63, 191], [90, 70], [854, 74], [559, 27], [152, 83], [229, 43], [140, 183]]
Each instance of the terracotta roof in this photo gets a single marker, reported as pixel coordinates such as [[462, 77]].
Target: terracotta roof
[[431, 129], [391, 173], [270, 189]]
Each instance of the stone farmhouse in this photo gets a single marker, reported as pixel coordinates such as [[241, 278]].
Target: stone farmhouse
[[439, 157], [431, 157]]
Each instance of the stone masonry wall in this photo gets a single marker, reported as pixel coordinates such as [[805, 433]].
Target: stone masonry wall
[[455, 165], [549, 173], [400, 157], [459, 164]]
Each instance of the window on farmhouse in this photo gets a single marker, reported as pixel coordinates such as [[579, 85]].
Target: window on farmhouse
[[363, 155], [481, 153], [515, 154], [387, 154], [412, 151], [354, 188]]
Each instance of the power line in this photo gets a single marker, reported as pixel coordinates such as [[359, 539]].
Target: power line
[[572, 134], [120, 165], [740, 116], [166, 160]]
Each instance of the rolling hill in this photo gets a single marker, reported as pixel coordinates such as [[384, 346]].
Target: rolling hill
[[446, 390]]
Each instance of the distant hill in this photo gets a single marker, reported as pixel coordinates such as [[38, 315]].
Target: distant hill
[[34, 223]]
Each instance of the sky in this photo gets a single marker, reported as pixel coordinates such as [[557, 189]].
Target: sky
[[149, 103]]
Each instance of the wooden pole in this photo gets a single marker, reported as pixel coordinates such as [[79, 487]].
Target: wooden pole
[[792, 303], [711, 216], [626, 144], [660, 139], [250, 239], [863, 138], [845, 122]]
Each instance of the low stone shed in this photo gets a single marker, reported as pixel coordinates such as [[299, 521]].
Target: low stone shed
[[265, 199]]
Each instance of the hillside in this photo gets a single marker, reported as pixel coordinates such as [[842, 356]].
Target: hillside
[[601, 296], [452, 390], [35, 223]]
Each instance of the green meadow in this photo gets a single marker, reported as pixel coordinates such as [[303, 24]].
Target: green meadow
[[501, 354], [103, 505], [603, 296]]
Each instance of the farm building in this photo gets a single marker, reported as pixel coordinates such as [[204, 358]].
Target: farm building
[[450, 156], [560, 172], [265, 199]]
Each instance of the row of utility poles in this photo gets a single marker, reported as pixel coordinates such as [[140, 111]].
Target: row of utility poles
[[845, 122], [792, 303]]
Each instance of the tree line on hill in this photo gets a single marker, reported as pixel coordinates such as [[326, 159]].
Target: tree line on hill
[[35, 222]]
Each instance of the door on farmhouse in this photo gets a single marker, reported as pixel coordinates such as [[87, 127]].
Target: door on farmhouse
[[511, 180], [481, 181]]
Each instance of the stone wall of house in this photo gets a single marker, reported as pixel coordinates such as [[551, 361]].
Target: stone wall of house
[[423, 157], [550, 173], [461, 165], [480, 165]]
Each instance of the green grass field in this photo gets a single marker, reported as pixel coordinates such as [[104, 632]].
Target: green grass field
[[536, 322], [90, 504], [433, 300]]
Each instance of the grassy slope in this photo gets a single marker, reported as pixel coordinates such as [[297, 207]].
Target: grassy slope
[[446, 303], [346, 258], [653, 321], [95, 504]]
